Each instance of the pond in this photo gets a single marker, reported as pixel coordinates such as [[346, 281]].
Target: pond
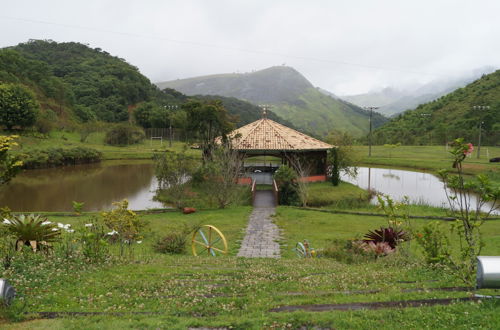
[[97, 185], [420, 187]]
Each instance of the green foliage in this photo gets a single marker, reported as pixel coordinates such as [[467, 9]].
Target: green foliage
[[392, 236], [78, 207], [221, 175], [124, 134], [470, 218], [449, 117], [102, 85], [172, 170], [291, 95], [286, 179], [9, 165], [346, 251], [93, 240], [126, 224], [53, 157], [27, 228], [205, 122], [434, 243], [174, 242], [284, 174], [18, 107], [335, 167]]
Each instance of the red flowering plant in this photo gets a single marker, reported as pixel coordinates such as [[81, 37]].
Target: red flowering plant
[[471, 202]]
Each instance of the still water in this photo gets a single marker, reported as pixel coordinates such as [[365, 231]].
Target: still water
[[420, 187], [97, 185]]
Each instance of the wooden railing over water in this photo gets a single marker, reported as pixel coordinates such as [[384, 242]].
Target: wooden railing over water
[[276, 192], [253, 190]]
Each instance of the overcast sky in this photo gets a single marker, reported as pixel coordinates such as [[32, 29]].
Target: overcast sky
[[346, 47]]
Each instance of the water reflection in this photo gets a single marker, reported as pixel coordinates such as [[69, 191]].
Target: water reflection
[[420, 187], [98, 185]]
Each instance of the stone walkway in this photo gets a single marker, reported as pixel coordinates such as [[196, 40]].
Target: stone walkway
[[261, 234]]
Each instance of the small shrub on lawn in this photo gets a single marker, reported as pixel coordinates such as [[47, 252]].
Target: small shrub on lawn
[[391, 236], [346, 251], [124, 134], [175, 241], [434, 243]]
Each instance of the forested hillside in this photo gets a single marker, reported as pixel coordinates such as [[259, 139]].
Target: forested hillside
[[451, 116], [291, 95], [75, 83]]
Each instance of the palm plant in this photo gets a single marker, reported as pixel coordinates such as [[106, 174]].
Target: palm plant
[[32, 230], [389, 235]]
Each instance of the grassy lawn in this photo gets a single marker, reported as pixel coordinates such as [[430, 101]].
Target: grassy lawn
[[176, 292], [431, 158]]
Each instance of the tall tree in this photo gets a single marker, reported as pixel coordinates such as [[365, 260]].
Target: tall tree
[[18, 106], [206, 121]]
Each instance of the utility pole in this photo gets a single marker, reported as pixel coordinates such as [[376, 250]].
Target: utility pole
[[481, 122], [370, 135]]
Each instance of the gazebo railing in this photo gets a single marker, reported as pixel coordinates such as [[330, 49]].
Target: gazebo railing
[[276, 192]]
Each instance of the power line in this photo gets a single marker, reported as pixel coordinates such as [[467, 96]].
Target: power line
[[215, 46]]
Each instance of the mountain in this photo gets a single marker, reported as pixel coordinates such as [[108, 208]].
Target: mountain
[[73, 82], [290, 95], [392, 101], [451, 116]]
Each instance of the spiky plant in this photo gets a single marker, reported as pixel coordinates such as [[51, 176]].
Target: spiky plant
[[389, 235], [32, 230]]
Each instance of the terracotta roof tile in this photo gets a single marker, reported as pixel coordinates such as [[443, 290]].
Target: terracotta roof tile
[[266, 134]]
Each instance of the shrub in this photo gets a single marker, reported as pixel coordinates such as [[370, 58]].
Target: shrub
[[286, 179], [175, 241], [123, 222], [53, 157], [434, 243], [172, 243], [124, 134], [346, 251], [388, 235], [93, 240], [284, 174], [32, 230]]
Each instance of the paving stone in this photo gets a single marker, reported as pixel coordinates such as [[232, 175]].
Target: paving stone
[[261, 234]]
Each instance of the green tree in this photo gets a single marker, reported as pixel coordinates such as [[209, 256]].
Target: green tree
[[172, 171], [205, 122], [342, 158], [9, 165], [18, 107]]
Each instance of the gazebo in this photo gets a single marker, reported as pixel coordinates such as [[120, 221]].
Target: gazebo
[[266, 137]]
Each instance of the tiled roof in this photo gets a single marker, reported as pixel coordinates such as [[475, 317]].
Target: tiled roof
[[265, 134]]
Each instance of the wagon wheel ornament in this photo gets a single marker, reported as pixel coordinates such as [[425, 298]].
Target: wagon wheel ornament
[[304, 250], [208, 240]]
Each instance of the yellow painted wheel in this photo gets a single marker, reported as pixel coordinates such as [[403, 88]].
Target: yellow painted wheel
[[208, 240]]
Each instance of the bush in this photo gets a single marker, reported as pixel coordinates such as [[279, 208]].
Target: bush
[[53, 157], [434, 243], [124, 134], [346, 251], [125, 223], [175, 241], [172, 243], [286, 179], [391, 236]]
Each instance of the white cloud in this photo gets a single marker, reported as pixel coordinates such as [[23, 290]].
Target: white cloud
[[342, 46]]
